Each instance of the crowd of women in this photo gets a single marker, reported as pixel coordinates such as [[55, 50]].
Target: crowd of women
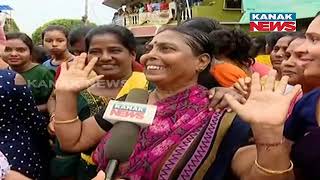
[[220, 113]]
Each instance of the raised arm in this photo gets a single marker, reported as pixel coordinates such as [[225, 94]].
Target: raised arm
[[74, 135], [266, 110]]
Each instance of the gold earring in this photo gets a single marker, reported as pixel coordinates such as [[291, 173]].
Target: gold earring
[[199, 70]]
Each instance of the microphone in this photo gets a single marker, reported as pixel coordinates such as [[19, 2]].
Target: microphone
[[127, 118], [134, 109]]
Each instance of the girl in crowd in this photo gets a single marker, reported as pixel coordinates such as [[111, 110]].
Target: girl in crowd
[[66, 164], [115, 46], [232, 56], [55, 39], [23, 131], [18, 54], [174, 61]]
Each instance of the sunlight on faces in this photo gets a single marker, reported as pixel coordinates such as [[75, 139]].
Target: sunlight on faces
[[16, 53], [310, 59], [289, 67], [169, 60], [55, 41], [279, 51]]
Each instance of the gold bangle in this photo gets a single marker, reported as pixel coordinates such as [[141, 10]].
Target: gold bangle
[[273, 172], [66, 121]]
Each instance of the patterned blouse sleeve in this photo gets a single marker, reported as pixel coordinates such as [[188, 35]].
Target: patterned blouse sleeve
[[27, 108]]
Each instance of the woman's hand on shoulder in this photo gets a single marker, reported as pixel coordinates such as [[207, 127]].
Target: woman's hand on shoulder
[[217, 100], [243, 86]]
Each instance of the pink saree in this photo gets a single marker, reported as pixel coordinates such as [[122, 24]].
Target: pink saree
[[181, 143]]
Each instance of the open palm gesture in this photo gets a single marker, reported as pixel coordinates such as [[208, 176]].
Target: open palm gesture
[[75, 76], [266, 106]]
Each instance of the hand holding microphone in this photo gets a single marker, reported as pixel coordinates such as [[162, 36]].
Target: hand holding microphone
[[127, 118], [101, 176]]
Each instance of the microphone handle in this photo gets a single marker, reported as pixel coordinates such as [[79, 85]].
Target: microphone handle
[[111, 168]]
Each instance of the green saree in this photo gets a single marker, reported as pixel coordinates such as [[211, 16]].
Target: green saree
[[80, 165]]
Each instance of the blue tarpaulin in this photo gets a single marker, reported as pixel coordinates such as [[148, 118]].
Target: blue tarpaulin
[[5, 8]]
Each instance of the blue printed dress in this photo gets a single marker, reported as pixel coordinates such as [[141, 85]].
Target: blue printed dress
[[23, 134]]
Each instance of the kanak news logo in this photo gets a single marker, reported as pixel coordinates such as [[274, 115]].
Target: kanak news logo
[[267, 22], [128, 111]]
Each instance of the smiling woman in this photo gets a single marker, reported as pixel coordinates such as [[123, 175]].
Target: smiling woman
[[303, 126], [174, 61], [18, 54], [115, 49], [166, 70]]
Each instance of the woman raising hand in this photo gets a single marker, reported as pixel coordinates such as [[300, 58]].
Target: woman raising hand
[[267, 124], [76, 77], [260, 99]]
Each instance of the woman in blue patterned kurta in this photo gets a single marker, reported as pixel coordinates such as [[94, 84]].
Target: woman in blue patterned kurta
[[23, 133]]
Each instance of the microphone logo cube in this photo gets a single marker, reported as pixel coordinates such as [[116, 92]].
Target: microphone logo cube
[[141, 114]]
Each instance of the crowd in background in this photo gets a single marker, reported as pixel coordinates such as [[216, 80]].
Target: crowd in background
[[229, 106], [176, 8]]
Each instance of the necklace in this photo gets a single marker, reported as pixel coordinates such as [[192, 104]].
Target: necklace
[[156, 95]]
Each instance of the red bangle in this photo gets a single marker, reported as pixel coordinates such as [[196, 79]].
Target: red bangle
[[269, 145]]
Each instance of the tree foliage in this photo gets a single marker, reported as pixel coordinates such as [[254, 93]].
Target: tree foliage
[[68, 23]]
